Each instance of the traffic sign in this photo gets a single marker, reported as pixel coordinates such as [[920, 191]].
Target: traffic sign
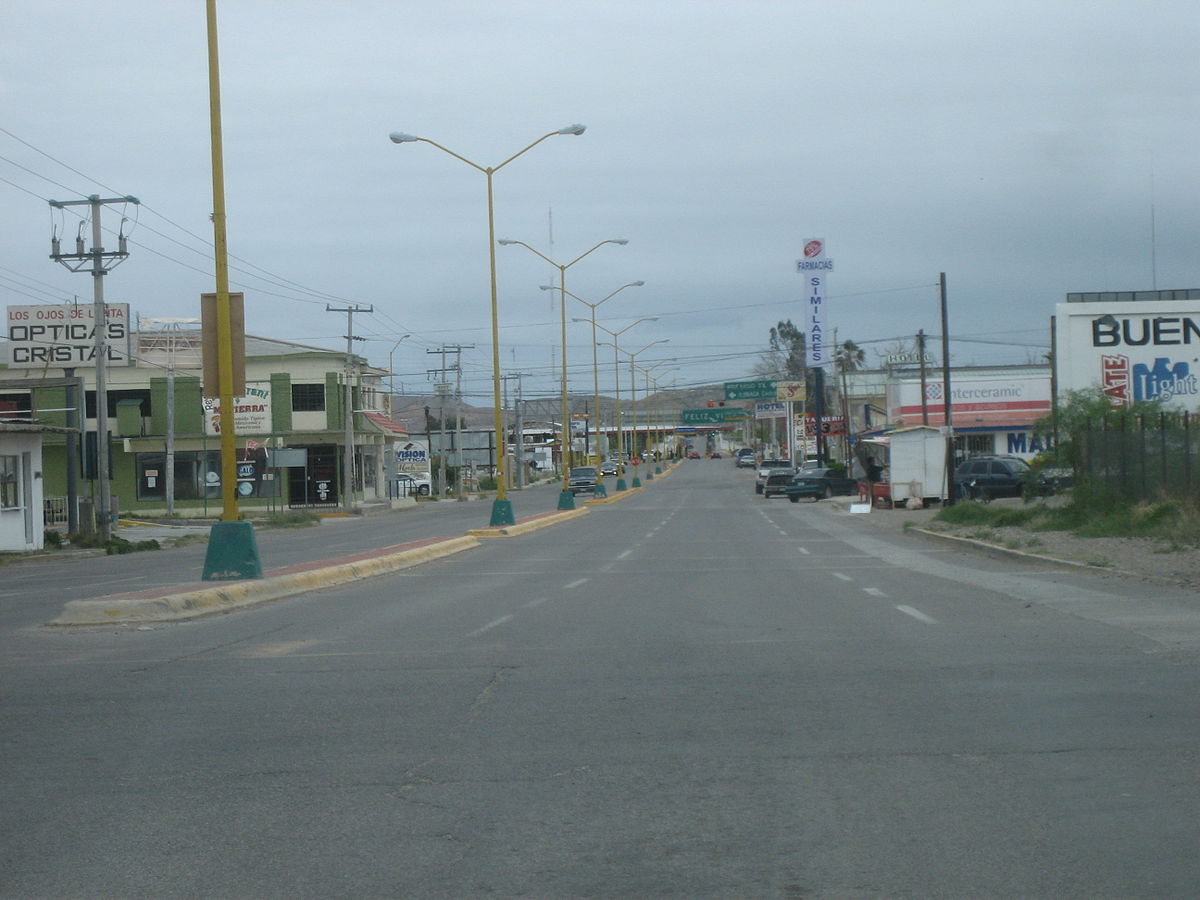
[[717, 416], [750, 390]]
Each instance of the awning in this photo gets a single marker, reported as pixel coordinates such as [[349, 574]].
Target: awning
[[384, 424]]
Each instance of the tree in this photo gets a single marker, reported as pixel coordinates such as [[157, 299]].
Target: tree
[[788, 346], [1080, 411], [850, 357]]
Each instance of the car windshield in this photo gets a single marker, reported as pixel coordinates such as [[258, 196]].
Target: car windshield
[[583, 472]]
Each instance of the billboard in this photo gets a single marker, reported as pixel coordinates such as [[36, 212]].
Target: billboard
[[251, 412], [981, 401], [64, 335], [1138, 351]]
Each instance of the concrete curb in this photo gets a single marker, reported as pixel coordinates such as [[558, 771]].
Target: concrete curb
[[997, 550], [532, 524], [224, 597], [613, 497]]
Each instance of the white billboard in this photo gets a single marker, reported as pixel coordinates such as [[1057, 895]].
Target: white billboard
[[997, 400], [251, 413], [1139, 351], [64, 335]]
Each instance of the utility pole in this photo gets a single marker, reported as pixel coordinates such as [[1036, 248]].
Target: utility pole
[[924, 394], [78, 262], [518, 441], [457, 350], [348, 401], [947, 406]]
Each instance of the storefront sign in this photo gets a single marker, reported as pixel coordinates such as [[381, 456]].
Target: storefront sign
[[64, 335], [251, 413]]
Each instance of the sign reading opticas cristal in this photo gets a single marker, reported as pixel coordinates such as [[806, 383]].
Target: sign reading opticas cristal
[[1140, 351], [65, 335]]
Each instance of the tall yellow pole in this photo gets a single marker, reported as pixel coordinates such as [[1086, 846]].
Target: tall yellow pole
[[229, 504], [232, 550]]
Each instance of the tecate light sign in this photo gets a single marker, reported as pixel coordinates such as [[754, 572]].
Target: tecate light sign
[[1134, 352]]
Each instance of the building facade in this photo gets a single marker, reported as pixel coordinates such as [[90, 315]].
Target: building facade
[[290, 426]]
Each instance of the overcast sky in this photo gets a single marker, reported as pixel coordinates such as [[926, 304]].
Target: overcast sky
[[1024, 149]]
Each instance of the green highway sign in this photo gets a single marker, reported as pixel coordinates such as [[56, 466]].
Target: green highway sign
[[715, 416], [750, 390]]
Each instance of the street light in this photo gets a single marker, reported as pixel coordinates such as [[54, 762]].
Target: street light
[[566, 500], [633, 403], [617, 389], [595, 364], [646, 370], [502, 513]]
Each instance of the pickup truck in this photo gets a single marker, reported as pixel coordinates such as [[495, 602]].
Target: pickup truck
[[582, 480]]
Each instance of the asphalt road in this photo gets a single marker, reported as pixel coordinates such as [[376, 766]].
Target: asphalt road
[[691, 693]]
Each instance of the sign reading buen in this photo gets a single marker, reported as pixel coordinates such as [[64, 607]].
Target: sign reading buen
[[64, 336]]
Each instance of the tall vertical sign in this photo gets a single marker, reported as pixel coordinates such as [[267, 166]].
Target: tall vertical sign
[[814, 267]]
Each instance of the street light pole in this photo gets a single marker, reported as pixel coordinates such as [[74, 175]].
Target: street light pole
[[621, 486], [566, 500], [502, 512], [633, 457], [595, 363]]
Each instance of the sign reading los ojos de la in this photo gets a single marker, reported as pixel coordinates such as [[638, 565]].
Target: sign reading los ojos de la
[[1134, 352], [64, 335]]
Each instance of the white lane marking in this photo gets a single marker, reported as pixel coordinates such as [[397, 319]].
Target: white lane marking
[[490, 625], [624, 554], [803, 550], [874, 592], [918, 615], [532, 603], [842, 576], [576, 583]]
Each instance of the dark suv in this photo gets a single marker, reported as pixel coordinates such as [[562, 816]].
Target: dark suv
[[986, 477]]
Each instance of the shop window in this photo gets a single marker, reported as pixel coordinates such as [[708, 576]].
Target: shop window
[[308, 398], [10, 482]]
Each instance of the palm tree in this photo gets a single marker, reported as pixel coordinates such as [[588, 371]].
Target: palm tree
[[850, 357]]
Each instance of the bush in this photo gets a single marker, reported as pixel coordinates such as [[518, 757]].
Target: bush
[[487, 482], [294, 519], [52, 538]]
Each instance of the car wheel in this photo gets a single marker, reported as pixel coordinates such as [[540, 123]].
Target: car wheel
[[423, 491], [758, 489], [816, 498], [828, 492], [794, 498]]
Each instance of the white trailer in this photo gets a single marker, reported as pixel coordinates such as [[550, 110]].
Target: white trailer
[[914, 466]]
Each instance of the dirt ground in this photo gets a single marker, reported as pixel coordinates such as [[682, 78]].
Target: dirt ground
[[1148, 559]]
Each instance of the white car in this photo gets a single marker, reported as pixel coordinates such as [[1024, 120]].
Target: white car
[[412, 485]]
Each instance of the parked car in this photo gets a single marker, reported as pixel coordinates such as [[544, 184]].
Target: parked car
[[987, 477], [820, 482], [411, 486], [764, 469], [777, 482], [582, 480]]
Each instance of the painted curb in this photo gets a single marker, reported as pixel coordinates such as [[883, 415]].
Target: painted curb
[[223, 597], [525, 527], [613, 497]]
